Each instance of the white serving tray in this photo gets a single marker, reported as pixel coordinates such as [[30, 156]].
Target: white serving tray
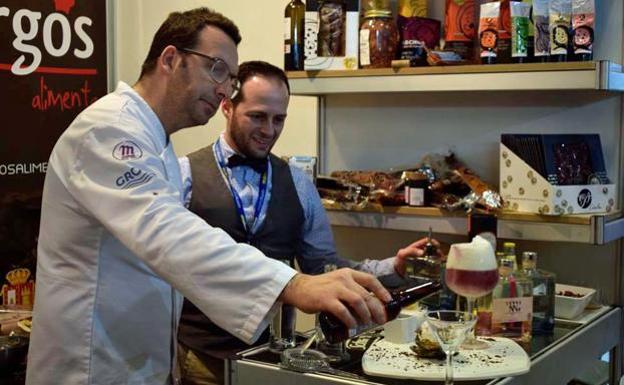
[[504, 357], [586, 316]]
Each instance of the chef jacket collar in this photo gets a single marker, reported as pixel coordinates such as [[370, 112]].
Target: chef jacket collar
[[154, 125]]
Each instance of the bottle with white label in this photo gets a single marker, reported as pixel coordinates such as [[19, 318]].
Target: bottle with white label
[[293, 35], [512, 305], [543, 294]]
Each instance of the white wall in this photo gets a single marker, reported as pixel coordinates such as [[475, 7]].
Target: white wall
[[261, 26], [362, 136]]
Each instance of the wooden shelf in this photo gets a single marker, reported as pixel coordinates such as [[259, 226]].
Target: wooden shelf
[[594, 75], [592, 229]]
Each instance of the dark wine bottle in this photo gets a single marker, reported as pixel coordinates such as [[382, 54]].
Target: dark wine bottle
[[335, 331], [293, 35]]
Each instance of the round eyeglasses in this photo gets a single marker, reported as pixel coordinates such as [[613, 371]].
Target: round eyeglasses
[[218, 70]]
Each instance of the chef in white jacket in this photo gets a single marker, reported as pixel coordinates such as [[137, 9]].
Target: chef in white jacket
[[117, 248]]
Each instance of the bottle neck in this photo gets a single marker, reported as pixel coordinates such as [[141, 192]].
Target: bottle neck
[[412, 295]]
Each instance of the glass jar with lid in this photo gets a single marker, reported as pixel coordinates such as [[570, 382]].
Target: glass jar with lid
[[379, 39], [369, 5]]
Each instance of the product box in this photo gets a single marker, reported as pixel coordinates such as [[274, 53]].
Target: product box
[[524, 189], [331, 35], [305, 163]]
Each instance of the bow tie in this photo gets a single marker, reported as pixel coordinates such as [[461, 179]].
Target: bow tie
[[259, 165]]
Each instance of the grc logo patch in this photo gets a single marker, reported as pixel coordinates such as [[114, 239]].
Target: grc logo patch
[[132, 178], [127, 150]]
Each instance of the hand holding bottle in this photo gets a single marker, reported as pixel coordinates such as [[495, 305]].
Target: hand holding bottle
[[413, 251], [338, 291]]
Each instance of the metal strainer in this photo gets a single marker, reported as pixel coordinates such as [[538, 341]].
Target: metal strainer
[[310, 361]]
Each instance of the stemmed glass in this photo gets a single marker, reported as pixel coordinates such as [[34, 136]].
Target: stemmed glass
[[450, 328], [472, 272]]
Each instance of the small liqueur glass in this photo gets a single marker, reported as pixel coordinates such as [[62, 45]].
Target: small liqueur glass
[[450, 327]]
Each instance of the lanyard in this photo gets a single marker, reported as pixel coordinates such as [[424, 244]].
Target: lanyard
[[238, 202]]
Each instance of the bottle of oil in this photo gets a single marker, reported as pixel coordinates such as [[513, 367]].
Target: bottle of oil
[[293, 35], [335, 331]]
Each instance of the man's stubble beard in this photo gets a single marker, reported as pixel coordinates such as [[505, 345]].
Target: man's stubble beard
[[241, 145]]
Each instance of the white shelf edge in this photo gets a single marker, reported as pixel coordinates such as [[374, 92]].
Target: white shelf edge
[[605, 75], [599, 231]]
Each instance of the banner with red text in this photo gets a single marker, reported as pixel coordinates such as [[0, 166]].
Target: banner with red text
[[53, 64]]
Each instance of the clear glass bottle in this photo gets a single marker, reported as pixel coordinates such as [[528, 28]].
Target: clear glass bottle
[[509, 252], [427, 265], [379, 39], [512, 305], [293, 35], [543, 294]]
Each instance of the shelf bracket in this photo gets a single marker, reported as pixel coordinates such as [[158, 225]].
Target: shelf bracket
[[611, 76]]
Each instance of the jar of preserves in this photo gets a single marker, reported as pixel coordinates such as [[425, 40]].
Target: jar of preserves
[[379, 39], [416, 188]]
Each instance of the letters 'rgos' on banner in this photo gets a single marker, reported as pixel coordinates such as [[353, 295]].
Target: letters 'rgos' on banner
[[53, 64]]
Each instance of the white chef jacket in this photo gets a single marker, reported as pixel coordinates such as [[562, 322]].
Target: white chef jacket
[[116, 245]]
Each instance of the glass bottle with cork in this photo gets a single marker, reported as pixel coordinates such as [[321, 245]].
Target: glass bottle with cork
[[335, 331], [543, 294], [293, 35]]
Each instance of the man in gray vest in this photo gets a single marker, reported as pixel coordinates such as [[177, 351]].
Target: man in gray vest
[[240, 187]]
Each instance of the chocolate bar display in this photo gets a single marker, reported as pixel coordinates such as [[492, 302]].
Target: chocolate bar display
[[555, 174], [565, 159]]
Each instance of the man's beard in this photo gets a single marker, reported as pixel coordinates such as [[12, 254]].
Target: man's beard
[[243, 147]]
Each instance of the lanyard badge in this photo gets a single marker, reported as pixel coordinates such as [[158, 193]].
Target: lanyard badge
[[238, 202]]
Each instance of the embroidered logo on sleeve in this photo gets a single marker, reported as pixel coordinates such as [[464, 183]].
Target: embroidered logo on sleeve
[[127, 150], [133, 178]]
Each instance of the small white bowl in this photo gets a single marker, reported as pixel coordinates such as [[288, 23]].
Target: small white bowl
[[402, 329], [571, 307]]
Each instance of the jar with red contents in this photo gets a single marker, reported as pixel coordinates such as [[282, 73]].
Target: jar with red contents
[[379, 39]]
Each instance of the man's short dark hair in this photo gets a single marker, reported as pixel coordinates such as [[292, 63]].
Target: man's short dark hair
[[249, 69], [181, 29]]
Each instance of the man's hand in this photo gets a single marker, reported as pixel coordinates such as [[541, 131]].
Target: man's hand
[[416, 249], [337, 292]]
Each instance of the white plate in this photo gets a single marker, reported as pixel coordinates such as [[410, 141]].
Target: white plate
[[504, 357]]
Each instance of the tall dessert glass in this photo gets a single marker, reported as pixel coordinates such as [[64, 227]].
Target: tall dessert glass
[[472, 272]]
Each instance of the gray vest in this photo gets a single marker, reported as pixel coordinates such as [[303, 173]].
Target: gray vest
[[279, 236]]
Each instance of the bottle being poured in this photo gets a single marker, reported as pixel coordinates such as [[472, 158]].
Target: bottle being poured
[[335, 331]]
